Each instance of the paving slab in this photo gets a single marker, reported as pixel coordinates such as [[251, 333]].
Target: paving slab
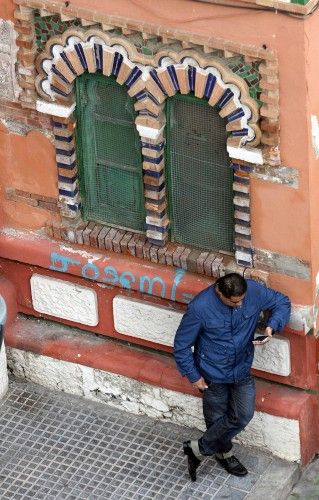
[[56, 446], [307, 487]]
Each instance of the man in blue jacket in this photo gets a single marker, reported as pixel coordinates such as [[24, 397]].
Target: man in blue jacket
[[219, 324]]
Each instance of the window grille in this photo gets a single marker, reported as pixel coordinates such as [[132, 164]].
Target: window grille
[[198, 174], [109, 153]]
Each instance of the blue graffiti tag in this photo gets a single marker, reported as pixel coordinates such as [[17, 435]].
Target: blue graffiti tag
[[126, 279], [111, 275], [179, 275], [150, 282], [92, 268], [61, 263], [187, 297]]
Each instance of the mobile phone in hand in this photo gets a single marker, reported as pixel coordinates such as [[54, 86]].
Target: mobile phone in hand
[[261, 339]]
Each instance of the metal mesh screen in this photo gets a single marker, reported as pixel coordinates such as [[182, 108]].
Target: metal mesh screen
[[110, 157], [200, 178]]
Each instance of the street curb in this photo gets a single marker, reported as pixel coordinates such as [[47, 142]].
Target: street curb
[[308, 486], [277, 481]]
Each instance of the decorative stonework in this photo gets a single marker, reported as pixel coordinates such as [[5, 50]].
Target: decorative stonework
[[147, 39], [248, 71], [184, 72], [242, 219], [9, 89], [164, 75], [254, 56], [50, 25], [68, 183], [186, 63]]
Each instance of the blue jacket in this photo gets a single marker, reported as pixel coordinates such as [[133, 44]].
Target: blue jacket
[[222, 336]]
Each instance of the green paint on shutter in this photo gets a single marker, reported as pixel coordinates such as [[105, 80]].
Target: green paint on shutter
[[199, 175], [109, 153]]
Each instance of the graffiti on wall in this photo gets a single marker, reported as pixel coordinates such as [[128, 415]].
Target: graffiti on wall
[[152, 285]]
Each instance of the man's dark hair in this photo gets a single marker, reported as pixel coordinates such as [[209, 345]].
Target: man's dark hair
[[231, 285]]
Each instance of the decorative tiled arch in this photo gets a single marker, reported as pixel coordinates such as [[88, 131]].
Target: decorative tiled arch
[[169, 72]]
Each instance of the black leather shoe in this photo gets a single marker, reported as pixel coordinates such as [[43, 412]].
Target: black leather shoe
[[193, 461], [232, 465]]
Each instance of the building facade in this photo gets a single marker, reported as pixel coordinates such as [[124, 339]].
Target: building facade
[[146, 151]]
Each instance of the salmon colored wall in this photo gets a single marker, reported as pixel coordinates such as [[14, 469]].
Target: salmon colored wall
[[312, 72], [28, 164], [279, 217], [6, 9], [280, 214], [299, 291], [283, 33]]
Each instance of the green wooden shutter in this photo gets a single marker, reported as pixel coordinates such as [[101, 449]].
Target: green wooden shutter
[[109, 153], [199, 175]]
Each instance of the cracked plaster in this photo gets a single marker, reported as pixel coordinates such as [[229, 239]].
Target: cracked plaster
[[9, 89]]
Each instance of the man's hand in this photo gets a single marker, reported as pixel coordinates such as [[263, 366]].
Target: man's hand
[[200, 384], [269, 331], [268, 334]]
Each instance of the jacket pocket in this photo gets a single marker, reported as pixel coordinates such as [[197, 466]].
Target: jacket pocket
[[217, 356], [248, 357], [212, 325]]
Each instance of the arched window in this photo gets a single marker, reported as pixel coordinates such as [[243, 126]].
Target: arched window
[[198, 174], [109, 153]]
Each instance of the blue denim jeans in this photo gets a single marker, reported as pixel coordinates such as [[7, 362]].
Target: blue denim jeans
[[227, 409]]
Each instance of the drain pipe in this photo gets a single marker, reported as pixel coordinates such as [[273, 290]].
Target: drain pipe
[[3, 358], [8, 313]]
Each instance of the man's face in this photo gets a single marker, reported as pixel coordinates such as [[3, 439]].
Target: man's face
[[231, 301]]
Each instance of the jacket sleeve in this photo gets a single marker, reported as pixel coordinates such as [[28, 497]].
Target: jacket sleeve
[[185, 339], [279, 306]]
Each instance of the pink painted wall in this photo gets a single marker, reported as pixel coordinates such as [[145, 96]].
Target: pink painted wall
[[27, 164], [6, 9], [312, 108], [30, 159]]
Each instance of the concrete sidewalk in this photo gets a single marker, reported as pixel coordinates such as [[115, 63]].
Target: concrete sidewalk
[[58, 446], [307, 487]]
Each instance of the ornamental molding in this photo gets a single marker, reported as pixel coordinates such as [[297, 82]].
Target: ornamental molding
[[155, 77]]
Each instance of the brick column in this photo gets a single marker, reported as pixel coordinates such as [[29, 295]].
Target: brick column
[[157, 222], [150, 124], [269, 111], [242, 219], [26, 41], [68, 184]]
